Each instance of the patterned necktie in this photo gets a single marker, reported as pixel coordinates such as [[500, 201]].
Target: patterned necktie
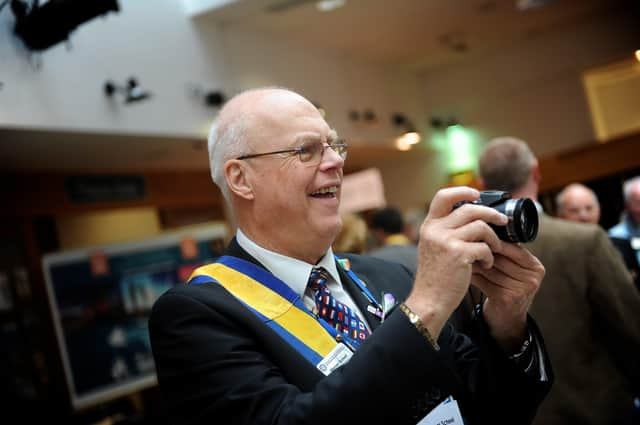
[[335, 313]]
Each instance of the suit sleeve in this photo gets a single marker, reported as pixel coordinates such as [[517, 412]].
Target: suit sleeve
[[615, 301]]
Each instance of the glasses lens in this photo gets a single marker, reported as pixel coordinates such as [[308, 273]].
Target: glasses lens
[[340, 148], [310, 152]]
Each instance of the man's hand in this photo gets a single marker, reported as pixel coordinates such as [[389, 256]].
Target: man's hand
[[451, 241], [510, 286]]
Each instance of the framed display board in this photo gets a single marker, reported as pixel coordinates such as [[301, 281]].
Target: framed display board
[[101, 298]]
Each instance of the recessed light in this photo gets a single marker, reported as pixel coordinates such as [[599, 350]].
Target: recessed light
[[329, 5]]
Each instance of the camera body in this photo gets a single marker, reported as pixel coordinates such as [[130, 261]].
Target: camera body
[[522, 214]]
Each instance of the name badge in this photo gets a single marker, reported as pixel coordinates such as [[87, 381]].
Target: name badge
[[445, 413], [374, 310], [635, 243], [337, 357]]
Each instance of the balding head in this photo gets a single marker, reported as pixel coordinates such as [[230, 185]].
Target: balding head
[[506, 163], [241, 118], [577, 202], [632, 198], [279, 164]]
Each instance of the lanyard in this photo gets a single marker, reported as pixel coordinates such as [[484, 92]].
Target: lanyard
[[344, 263]]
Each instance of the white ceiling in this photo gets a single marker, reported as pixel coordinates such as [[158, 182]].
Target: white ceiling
[[415, 35]]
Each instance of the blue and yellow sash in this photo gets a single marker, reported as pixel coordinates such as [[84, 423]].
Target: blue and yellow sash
[[275, 303]]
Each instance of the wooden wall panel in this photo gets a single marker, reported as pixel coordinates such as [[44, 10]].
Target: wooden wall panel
[[590, 162], [44, 193]]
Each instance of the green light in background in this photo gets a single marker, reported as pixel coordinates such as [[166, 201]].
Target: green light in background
[[439, 141], [461, 149]]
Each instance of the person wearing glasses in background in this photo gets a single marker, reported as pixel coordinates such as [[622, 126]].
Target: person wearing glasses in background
[[281, 331]]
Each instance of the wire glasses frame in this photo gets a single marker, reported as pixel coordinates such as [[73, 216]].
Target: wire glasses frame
[[309, 152]]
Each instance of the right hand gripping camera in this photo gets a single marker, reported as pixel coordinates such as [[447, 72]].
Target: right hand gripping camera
[[522, 214]]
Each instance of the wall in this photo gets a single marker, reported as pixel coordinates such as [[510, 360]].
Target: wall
[[168, 52], [154, 42], [106, 227], [533, 90], [335, 82]]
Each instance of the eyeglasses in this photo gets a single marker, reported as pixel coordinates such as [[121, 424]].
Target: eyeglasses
[[310, 153]]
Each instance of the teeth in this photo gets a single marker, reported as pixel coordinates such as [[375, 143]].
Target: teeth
[[324, 190]]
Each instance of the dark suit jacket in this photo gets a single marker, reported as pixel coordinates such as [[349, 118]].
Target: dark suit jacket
[[218, 364]]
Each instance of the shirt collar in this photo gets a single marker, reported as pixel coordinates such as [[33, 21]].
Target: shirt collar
[[632, 226], [293, 272], [538, 207]]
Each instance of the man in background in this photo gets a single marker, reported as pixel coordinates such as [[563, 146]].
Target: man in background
[[587, 306], [577, 202], [388, 228], [353, 234], [626, 234]]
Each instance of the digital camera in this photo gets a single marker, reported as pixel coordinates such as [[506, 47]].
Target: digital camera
[[522, 214]]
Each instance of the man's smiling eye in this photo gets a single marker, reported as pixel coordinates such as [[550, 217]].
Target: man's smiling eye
[[308, 151]]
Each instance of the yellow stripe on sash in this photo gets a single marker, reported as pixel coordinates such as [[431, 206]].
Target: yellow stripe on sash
[[271, 305]]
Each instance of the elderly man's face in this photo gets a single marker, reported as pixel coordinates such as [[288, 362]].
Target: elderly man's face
[[633, 203], [297, 201], [580, 205]]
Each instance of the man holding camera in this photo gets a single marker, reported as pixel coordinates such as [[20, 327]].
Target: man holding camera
[[259, 336], [587, 306]]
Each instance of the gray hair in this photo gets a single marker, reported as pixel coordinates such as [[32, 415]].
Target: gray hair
[[506, 164], [224, 143], [628, 187], [227, 136]]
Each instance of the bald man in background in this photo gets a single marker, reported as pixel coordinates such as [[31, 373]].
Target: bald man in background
[[577, 202]]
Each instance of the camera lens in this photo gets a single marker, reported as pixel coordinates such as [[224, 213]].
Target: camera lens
[[523, 220]]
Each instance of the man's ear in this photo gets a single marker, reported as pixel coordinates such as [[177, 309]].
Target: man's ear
[[236, 174], [535, 172], [480, 184]]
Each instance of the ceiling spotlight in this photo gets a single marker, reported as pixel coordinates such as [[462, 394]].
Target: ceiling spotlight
[[41, 25], [210, 97], [443, 123], [214, 98], [410, 135], [329, 5], [132, 91], [353, 115], [369, 116], [524, 5]]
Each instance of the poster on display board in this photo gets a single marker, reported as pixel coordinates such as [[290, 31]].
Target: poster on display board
[[101, 298]]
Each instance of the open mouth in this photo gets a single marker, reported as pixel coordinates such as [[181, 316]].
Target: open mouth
[[325, 192]]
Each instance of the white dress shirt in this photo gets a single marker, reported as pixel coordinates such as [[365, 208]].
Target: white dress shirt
[[295, 273]]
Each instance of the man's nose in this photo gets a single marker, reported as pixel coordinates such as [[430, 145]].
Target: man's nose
[[331, 159]]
